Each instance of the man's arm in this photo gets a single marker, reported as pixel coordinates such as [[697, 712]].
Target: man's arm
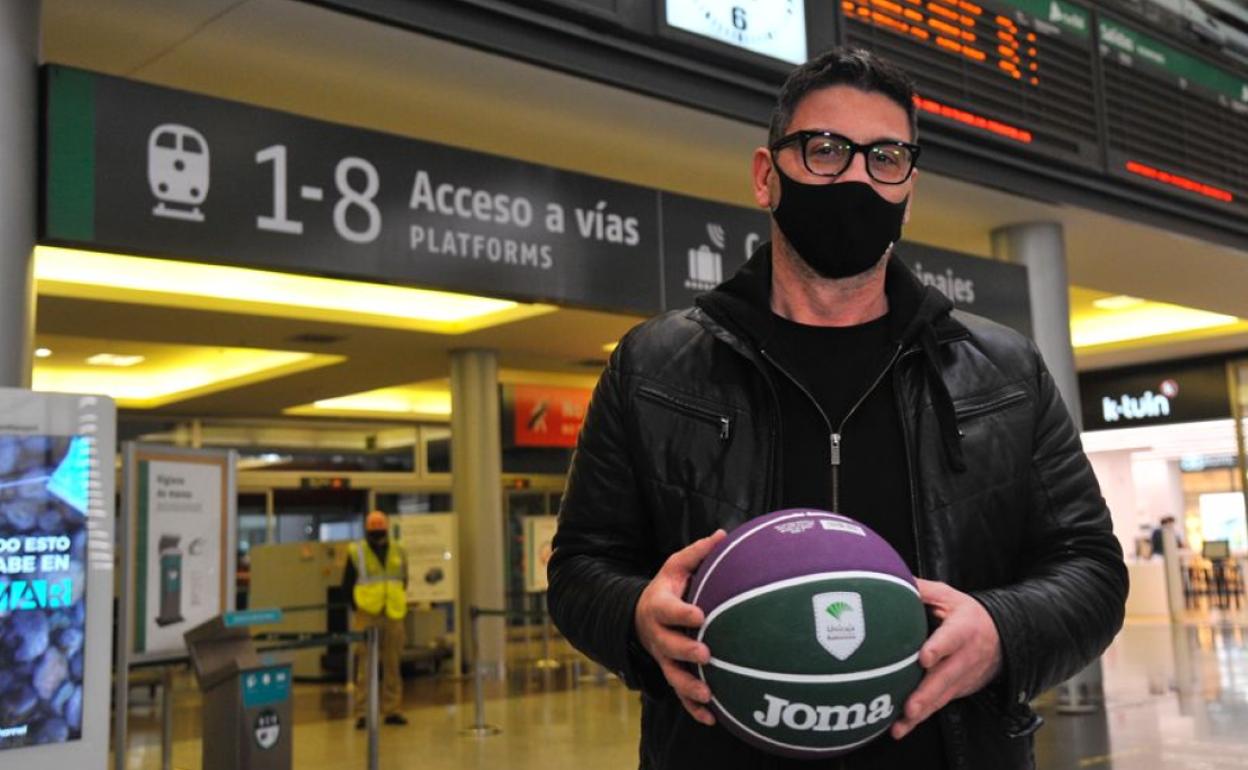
[[1065, 610], [600, 564], [1070, 600], [610, 593]]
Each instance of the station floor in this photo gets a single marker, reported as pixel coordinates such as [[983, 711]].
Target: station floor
[[1176, 699]]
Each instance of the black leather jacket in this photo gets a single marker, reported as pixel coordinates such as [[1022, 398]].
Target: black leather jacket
[[680, 439]]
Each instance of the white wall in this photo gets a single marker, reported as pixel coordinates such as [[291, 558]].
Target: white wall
[[1114, 472], [1158, 490], [1138, 491]]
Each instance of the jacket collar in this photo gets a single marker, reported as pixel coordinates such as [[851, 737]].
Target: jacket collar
[[919, 318], [743, 304]]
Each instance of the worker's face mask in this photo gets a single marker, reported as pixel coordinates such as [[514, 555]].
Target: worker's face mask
[[841, 229], [377, 538]]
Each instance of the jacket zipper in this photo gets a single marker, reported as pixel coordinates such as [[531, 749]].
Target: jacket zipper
[[722, 422], [995, 404], [834, 436]]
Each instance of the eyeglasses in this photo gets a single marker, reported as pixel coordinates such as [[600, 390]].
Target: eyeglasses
[[827, 154]]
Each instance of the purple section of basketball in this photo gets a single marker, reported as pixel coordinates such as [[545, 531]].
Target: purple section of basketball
[[779, 545]]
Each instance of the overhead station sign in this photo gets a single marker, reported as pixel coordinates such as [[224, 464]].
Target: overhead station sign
[[150, 170], [146, 170]]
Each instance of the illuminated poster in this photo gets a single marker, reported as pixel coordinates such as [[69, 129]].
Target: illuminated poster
[[181, 539], [539, 533], [43, 555], [548, 416], [428, 539]]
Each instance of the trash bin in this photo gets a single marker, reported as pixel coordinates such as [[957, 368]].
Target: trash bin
[[246, 711]]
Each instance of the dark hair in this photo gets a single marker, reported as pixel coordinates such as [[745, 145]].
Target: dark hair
[[854, 67]]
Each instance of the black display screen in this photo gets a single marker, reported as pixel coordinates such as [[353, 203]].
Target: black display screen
[[1174, 122], [1020, 72]]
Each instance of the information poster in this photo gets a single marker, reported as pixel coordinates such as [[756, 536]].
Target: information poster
[[539, 532], [183, 545], [55, 546], [429, 542]]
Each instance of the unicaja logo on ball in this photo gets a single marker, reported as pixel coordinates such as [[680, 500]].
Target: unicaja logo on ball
[[839, 624], [836, 608]]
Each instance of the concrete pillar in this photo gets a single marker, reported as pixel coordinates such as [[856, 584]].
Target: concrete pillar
[[477, 489], [1041, 248], [1174, 576], [19, 185]]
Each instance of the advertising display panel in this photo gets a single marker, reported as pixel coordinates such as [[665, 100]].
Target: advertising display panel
[[544, 416], [428, 539], [56, 578], [182, 543], [539, 533]]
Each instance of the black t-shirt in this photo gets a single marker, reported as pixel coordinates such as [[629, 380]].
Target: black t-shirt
[[838, 367]]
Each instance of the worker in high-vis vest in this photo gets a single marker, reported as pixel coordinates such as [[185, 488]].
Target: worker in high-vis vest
[[375, 576]]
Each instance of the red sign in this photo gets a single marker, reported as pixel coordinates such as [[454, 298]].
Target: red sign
[[549, 417]]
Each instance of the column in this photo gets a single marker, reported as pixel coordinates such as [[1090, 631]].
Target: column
[[19, 185], [1041, 248], [477, 489]]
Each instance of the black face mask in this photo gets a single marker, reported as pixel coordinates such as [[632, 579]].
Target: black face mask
[[840, 230], [377, 539]]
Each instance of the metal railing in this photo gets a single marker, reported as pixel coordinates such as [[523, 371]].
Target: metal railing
[[479, 727]]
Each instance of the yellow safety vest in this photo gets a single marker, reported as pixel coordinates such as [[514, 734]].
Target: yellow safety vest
[[378, 587]]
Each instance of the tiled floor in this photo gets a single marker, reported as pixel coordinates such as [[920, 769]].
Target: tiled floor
[[1177, 699]]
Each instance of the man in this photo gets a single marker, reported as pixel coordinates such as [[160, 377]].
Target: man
[[375, 576], [825, 375], [1158, 539]]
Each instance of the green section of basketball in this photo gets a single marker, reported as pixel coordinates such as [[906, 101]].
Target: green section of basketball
[[806, 716], [826, 626]]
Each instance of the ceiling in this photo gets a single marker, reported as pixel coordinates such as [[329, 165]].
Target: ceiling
[[304, 59]]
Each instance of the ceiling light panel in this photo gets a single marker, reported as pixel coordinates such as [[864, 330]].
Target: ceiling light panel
[[139, 280]]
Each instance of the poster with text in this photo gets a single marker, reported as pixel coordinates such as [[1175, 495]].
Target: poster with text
[[43, 563], [429, 542], [181, 542], [539, 533]]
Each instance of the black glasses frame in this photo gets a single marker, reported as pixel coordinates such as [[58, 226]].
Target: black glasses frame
[[803, 138]]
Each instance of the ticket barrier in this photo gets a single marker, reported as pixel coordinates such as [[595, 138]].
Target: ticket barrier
[[246, 712]]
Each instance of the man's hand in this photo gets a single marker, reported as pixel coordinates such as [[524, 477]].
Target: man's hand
[[960, 657], [661, 612]]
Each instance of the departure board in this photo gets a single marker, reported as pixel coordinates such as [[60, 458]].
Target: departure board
[[1019, 72], [1174, 122]]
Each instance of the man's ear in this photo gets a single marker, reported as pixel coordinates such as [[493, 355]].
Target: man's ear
[[764, 173]]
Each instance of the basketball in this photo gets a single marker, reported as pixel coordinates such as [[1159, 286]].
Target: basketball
[[814, 624]]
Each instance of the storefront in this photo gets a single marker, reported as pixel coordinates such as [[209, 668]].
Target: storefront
[[1163, 441]]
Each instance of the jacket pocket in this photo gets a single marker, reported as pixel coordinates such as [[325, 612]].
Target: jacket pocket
[[721, 422], [993, 402]]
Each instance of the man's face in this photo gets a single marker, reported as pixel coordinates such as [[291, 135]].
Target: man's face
[[376, 537], [857, 115]]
